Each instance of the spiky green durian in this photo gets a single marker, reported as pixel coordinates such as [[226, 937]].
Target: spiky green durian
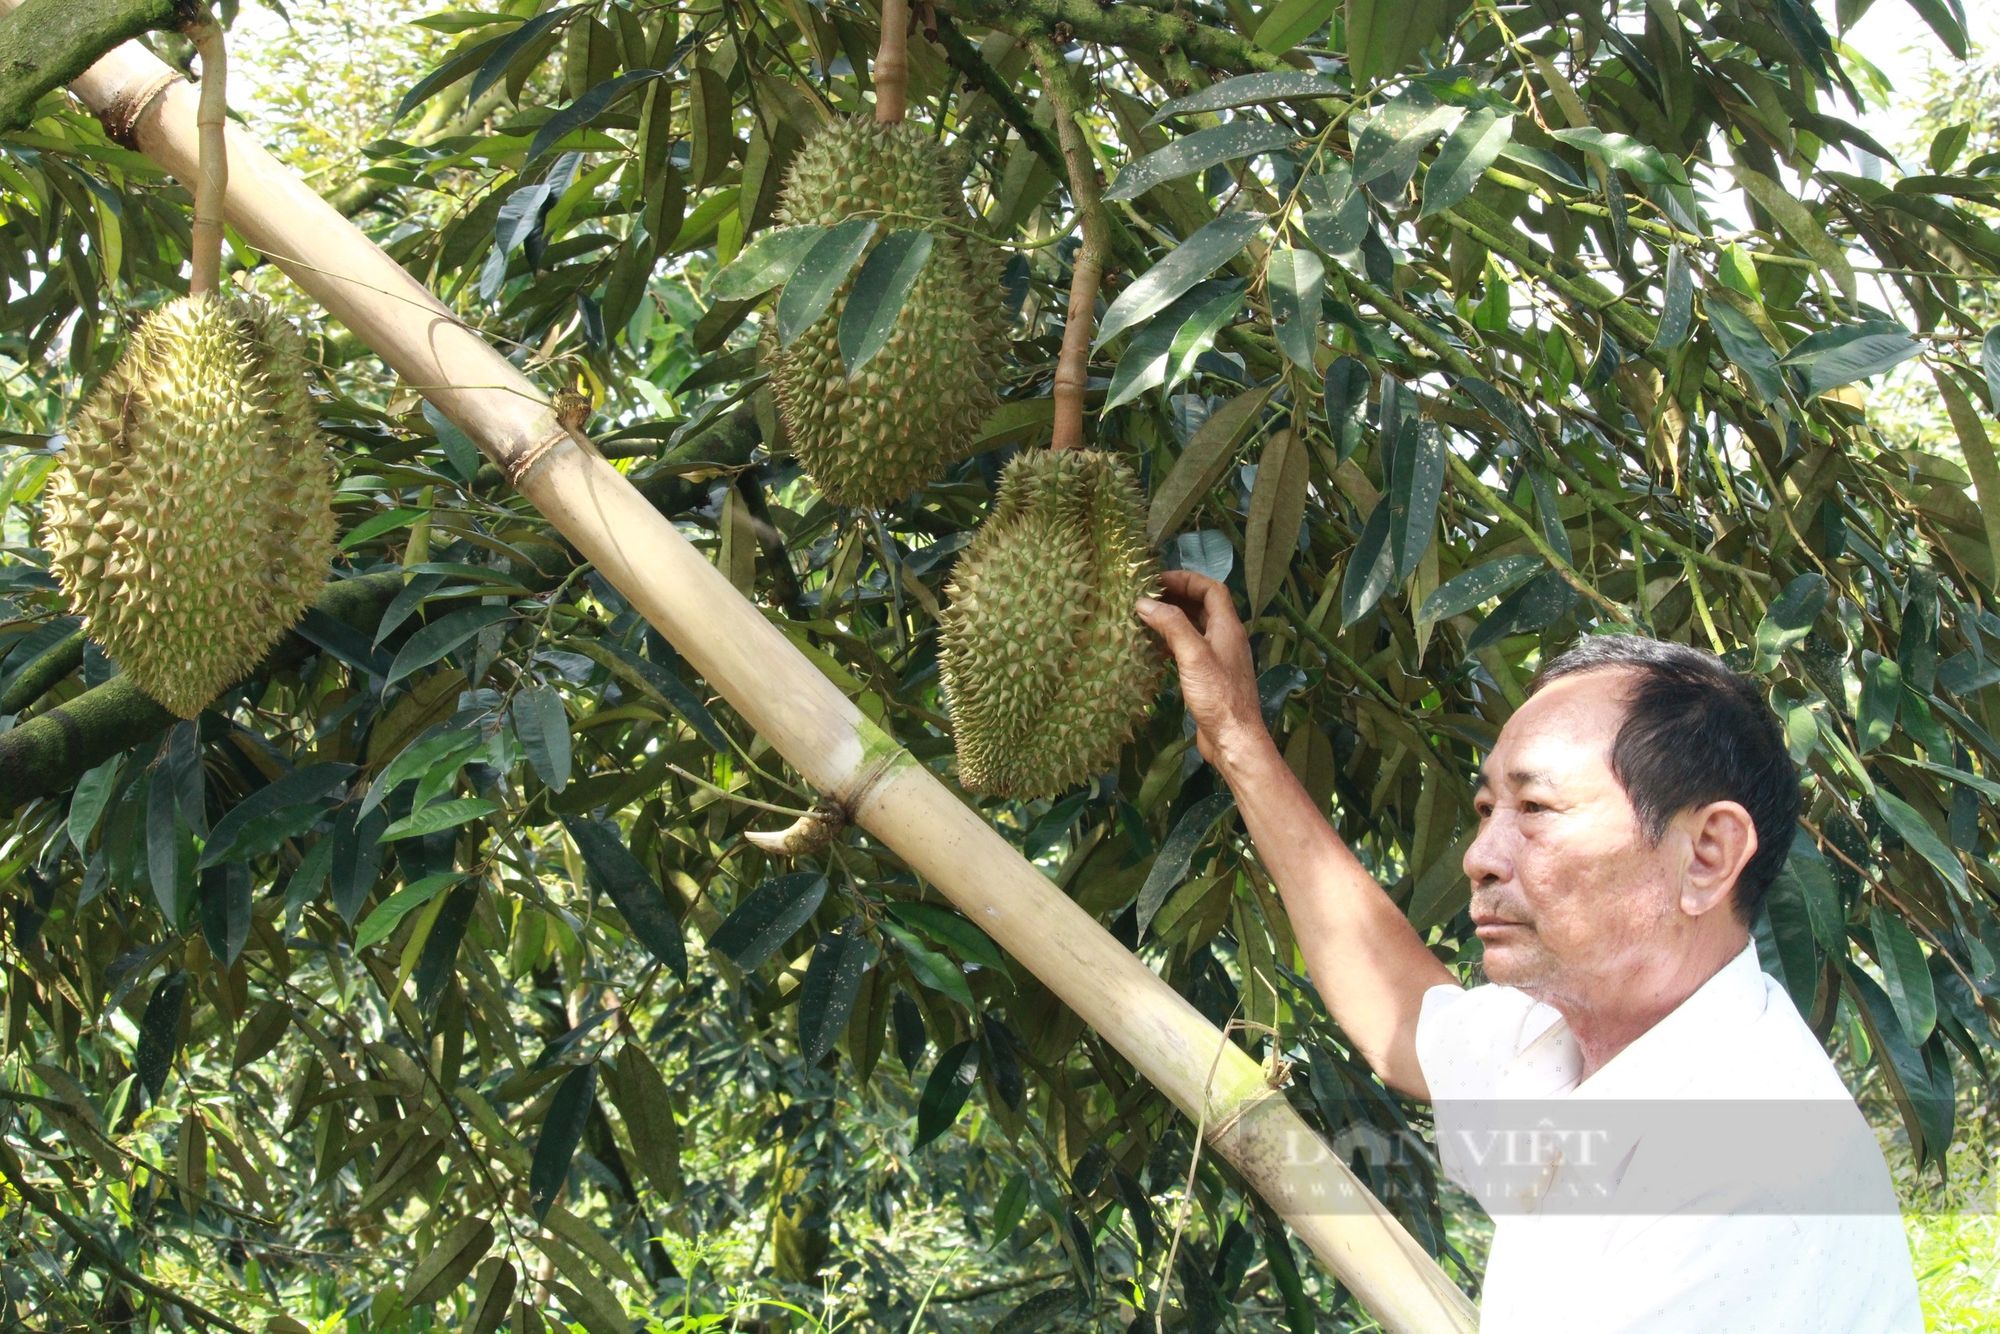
[[915, 408], [191, 521], [1045, 663]]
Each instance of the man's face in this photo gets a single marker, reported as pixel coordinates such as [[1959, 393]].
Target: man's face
[[1567, 893]]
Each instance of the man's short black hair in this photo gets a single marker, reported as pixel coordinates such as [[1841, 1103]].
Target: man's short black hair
[[1696, 732]]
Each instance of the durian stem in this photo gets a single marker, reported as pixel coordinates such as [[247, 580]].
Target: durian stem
[[1087, 272], [212, 175], [892, 63]]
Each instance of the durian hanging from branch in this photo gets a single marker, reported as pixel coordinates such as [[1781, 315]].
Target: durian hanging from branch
[[1045, 663], [884, 374], [191, 520]]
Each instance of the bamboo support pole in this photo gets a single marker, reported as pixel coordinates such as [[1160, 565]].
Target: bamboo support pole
[[825, 737]]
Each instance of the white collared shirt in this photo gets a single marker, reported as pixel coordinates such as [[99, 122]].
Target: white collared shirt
[[1684, 1186]]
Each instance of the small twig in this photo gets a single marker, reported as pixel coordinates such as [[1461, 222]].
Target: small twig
[[1087, 272]]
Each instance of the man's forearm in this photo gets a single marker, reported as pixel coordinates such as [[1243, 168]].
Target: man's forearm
[[1363, 956]]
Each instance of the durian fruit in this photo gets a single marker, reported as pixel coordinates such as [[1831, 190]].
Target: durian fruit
[[1046, 665], [191, 520], [914, 408]]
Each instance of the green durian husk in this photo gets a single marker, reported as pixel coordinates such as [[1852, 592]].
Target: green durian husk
[[915, 409], [1046, 666], [191, 520]]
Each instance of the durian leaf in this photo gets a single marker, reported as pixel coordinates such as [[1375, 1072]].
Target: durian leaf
[[876, 300], [453, 69], [1834, 357], [1643, 161], [382, 922], [942, 924], [1416, 484], [594, 102], [1296, 281], [562, 1131], [668, 688], [387, 522], [635, 1088], [1185, 265], [1388, 145], [1916, 831], [1244, 90], [86, 805], [1530, 607], [768, 917], [505, 51], [1290, 22], [1677, 303], [937, 971], [639, 900], [406, 603], [439, 815], [1901, 959], [1476, 586], [1143, 364], [1204, 148], [248, 832], [1346, 405], [421, 757], [223, 900], [767, 261], [832, 982], [1199, 333], [458, 447], [1277, 507], [542, 725], [1337, 219], [442, 636], [1170, 867], [1371, 567], [1881, 698], [945, 1092], [1909, 1079], [1789, 620], [819, 275], [1205, 551], [1472, 148], [160, 1032], [1783, 933], [1203, 462], [357, 858]]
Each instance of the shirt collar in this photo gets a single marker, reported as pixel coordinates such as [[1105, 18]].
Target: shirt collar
[[1666, 1057]]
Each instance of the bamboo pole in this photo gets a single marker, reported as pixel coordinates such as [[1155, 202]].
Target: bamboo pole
[[824, 736]]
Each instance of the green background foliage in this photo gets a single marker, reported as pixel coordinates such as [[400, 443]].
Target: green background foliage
[[428, 979]]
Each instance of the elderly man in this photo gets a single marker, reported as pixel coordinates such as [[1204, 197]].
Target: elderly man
[[1695, 1162]]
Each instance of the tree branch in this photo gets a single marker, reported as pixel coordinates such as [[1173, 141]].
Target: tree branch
[[50, 42], [1087, 269], [1127, 25], [51, 751]]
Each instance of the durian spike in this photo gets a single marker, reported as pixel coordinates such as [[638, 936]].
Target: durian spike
[[211, 183], [1087, 272], [892, 63]]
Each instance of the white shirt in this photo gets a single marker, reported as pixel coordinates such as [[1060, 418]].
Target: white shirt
[[1714, 1177]]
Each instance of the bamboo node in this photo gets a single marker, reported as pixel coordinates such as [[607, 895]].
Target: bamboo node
[[520, 465], [120, 118]]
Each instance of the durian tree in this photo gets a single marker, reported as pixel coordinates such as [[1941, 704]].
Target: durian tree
[[432, 975]]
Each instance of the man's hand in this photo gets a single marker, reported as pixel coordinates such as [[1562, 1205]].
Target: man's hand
[[1218, 676]]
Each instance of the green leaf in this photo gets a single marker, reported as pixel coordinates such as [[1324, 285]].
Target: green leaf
[[1296, 281], [1789, 620], [1476, 587], [934, 970], [453, 69], [1621, 151], [448, 748], [1901, 959], [236, 836], [1290, 22], [1784, 938], [1947, 20], [1170, 867], [381, 523], [1532, 606], [442, 636], [1202, 149], [1394, 136], [1416, 484], [1799, 223], [656, 680], [639, 900], [1198, 334], [833, 981], [945, 1092], [1371, 567], [92, 795], [1744, 344], [562, 1130], [1472, 148], [541, 723], [1244, 90], [1677, 303], [876, 299], [819, 275], [1184, 266], [1542, 160], [1923, 840], [1989, 361], [1143, 364], [1337, 219], [513, 44], [160, 1033], [1834, 357], [1928, 1123], [595, 102], [1346, 404], [942, 924], [382, 922], [1202, 463], [1881, 697], [439, 815], [1814, 881], [767, 261], [771, 914]]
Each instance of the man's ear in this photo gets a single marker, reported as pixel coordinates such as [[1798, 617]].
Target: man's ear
[[1722, 838]]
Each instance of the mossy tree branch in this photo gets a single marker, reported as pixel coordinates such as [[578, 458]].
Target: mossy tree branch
[[50, 42], [1126, 25], [51, 751]]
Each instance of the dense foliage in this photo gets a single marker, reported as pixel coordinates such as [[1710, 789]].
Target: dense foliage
[[428, 977]]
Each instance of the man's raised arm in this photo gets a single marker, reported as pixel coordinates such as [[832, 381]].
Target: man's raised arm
[[1362, 953]]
